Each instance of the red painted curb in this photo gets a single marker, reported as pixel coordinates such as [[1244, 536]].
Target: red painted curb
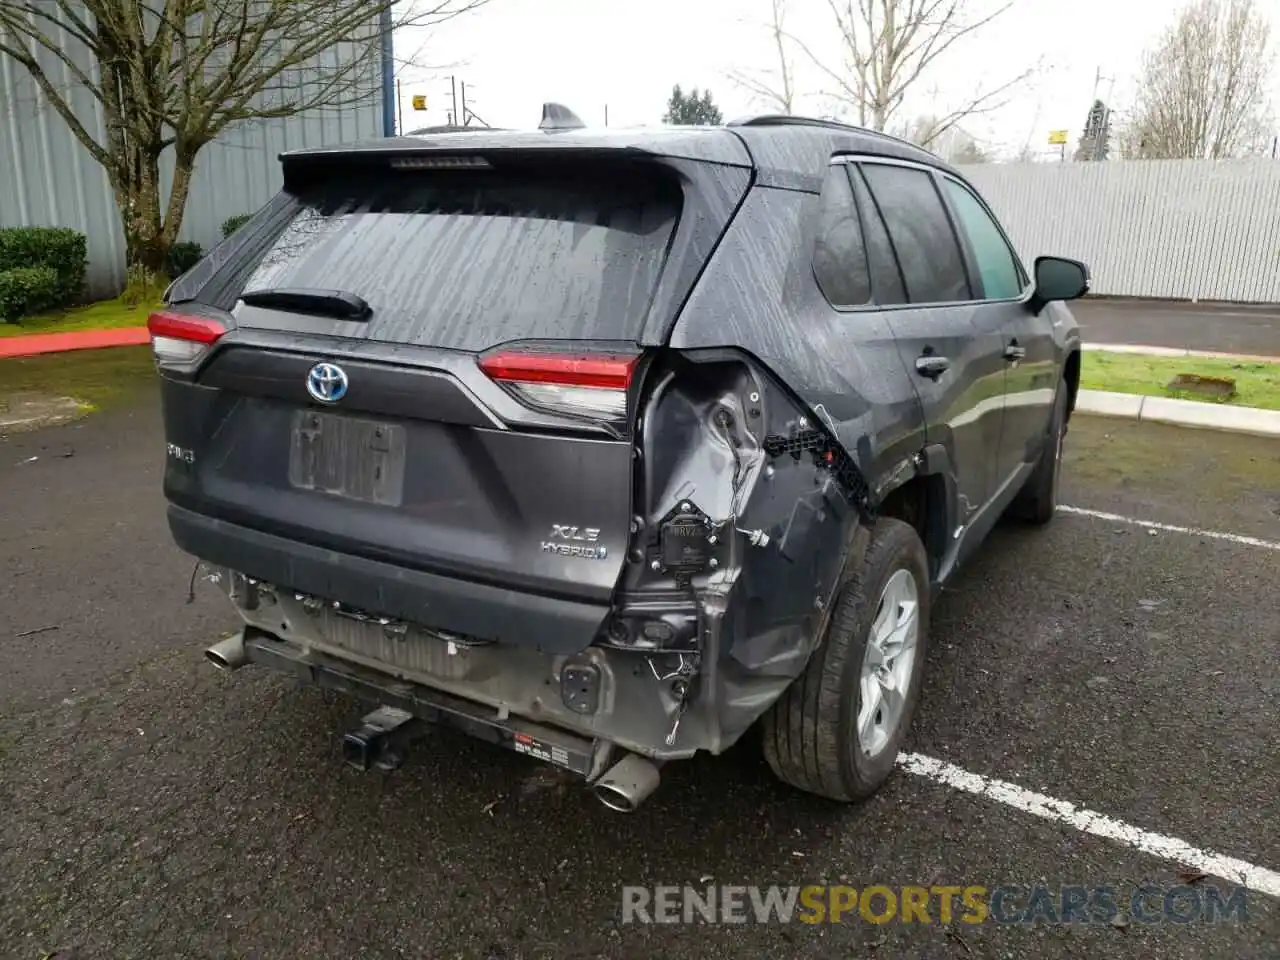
[[36, 343]]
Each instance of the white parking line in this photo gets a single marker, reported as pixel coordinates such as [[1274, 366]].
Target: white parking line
[[1259, 879], [1173, 528]]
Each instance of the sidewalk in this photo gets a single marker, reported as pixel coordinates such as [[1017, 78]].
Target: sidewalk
[[37, 343]]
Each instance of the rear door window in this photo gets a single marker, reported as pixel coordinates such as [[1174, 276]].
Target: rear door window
[[928, 251], [839, 257], [470, 260]]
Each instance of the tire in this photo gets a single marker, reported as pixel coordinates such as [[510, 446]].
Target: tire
[[1037, 501], [810, 734]]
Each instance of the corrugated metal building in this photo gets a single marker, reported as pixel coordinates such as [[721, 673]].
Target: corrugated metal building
[[47, 178]]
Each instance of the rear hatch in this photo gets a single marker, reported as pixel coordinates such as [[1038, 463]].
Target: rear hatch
[[430, 366]]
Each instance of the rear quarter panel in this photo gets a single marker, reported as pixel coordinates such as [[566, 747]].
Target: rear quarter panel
[[759, 294]]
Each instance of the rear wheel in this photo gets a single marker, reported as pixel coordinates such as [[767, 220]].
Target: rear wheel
[[1037, 501], [837, 730]]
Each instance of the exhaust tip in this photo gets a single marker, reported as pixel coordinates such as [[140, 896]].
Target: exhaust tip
[[615, 800], [627, 784], [228, 654], [218, 660]]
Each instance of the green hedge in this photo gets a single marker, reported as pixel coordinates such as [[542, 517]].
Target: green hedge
[[28, 290], [182, 257], [62, 250], [232, 224]]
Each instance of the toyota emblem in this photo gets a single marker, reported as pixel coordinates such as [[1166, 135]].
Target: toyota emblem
[[327, 382]]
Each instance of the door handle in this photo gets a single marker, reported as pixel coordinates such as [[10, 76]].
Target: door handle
[[1014, 352], [932, 366]]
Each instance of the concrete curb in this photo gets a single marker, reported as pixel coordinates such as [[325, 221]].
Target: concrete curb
[[1148, 351], [1183, 413], [33, 344]]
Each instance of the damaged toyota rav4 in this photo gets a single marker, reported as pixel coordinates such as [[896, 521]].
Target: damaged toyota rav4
[[612, 446]]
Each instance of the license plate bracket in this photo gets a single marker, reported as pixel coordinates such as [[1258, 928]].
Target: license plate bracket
[[347, 457]]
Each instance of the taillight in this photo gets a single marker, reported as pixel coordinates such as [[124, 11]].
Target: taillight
[[580, 384], [181, 338]]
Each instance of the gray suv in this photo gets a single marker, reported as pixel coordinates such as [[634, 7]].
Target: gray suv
[[609, 446]]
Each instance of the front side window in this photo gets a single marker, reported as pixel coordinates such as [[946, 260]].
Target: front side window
[[928, 251], [997, 265]]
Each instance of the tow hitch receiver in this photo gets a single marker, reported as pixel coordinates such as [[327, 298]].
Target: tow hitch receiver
[[382, 740]]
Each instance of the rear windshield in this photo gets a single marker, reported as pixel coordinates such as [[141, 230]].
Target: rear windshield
[[470, 260]]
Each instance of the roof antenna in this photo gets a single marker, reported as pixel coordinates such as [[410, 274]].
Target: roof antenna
[[556, 116]]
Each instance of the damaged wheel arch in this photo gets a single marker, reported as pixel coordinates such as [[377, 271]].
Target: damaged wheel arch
[[748, 510]]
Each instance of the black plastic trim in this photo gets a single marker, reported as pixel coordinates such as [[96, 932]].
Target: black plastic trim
[[552, 625], [381, 388]]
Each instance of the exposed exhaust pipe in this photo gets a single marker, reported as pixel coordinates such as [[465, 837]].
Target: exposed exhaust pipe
[[228, 654], [627, 784]]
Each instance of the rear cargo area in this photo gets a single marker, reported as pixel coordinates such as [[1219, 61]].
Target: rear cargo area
[[474, 330]]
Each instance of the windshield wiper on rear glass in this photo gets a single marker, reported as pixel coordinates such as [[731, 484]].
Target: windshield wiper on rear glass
[[329, 303]]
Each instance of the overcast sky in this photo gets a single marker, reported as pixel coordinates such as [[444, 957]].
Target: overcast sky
[[586, 54]]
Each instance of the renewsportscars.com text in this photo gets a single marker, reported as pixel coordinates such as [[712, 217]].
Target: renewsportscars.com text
[[972, 904]]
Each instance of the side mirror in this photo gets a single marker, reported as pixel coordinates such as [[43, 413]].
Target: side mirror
[[1058, 278]]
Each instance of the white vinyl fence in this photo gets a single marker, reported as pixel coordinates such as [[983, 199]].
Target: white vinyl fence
[[1179, 229]]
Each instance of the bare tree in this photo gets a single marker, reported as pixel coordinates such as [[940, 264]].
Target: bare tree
[[174, 74], [775, 88], [888, 46], [1203, 86], [954, 145]]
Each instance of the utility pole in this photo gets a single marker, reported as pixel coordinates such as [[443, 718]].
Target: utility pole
[[467, 113], [399, 108], [606, 114], [453, 93], [1100, 126], [1105, 135]]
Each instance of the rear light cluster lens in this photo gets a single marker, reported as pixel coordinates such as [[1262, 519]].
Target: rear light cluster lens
[[584, 385], [181, 339]]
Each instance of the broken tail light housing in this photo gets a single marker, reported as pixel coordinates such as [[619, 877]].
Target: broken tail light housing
[[182, 339], [593, 385]]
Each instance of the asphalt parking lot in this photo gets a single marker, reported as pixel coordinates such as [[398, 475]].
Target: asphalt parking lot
[[156, 808], [1223, 327]]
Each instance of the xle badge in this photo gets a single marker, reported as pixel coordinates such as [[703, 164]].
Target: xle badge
[[567, 541]]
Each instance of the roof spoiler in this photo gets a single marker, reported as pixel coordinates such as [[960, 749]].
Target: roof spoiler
[[556, 117]]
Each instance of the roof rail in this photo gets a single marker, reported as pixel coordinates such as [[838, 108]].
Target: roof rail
[[790, 120]]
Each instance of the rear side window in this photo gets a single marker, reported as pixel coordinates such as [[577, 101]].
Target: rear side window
[[1001, 278], [839, 258], [470, 260], [920, 229], [886, 277]]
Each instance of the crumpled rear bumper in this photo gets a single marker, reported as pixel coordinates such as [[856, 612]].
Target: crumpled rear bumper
[[582, 755], [628, 699]]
